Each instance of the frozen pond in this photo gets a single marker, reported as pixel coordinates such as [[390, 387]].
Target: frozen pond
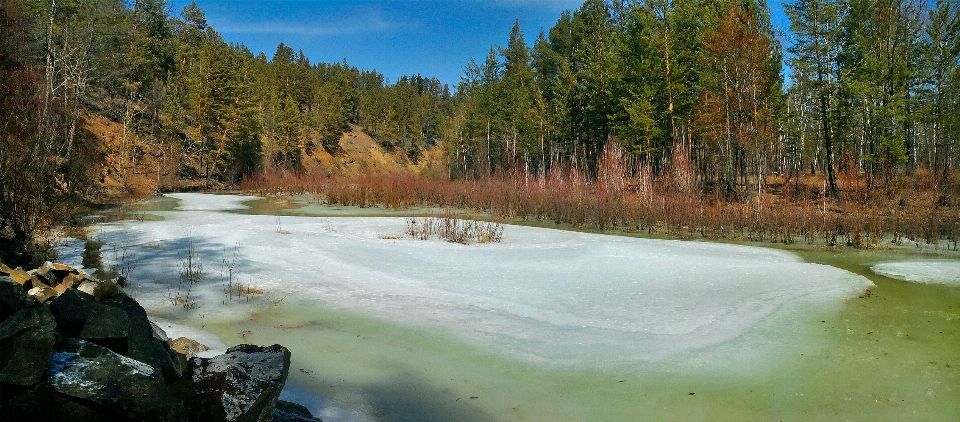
[[544, 295], [362, 305]]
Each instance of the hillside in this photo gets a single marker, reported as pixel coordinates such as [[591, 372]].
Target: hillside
[[359, 153], [132, 166]]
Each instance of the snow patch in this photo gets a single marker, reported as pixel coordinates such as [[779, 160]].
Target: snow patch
[[926, 271], [209, 202]]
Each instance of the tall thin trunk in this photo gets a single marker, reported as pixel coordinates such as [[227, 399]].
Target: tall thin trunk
[[666, 55], [824, 111], [48, 91], [489, 166]]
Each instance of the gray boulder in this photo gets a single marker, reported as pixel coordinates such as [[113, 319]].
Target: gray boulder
[[86, 371], [42, 404], [241, 385], [26, 340], [292, 412], [70, 354], [145, 340], [78, 315], [118, 323], [12, 297]]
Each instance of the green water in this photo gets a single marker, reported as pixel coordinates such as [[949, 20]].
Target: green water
[[894, 355]]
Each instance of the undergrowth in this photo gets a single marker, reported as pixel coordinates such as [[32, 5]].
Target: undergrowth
[[865, 213]]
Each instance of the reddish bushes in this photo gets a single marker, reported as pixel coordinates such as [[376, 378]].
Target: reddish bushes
[[913, 210]]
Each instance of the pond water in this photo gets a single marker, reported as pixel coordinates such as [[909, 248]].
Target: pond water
[[546, 325]]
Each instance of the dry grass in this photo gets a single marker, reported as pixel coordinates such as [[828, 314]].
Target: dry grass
[[242, 291], [453, 229], [866, 213]]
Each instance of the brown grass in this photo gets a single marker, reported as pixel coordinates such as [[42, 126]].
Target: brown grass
[[866, 213], [242, 291], [451, 228]]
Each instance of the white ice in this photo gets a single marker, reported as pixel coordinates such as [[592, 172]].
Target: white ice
[[206, 202], [928, 271], [544, 295]]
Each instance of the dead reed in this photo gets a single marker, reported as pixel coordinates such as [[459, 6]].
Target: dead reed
[[453, 229], [190, 269], [865, 214]]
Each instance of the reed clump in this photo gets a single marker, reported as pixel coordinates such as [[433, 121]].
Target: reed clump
[[453, 229], [190, 269]]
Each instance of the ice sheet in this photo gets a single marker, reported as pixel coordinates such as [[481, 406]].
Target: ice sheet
[[208, 202], [545, 295], [927, 271]]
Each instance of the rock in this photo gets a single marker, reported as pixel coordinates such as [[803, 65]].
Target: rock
[[42, 404], [180, 361], [82, 350], [42, 293], [76, 278], [187, 346], [79, 315], [159, 334], [86, 371], [12, 297], [107, 324], [118, 323], [47, 274], [143, 343], [26, 340], [88, 287], [106, 289], [63, 267], [20, 276], [56, 273], [62, 287], [72, 280], [292, 412], [71, 310], [241, 385]]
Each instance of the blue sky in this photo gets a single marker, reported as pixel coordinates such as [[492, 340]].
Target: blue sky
[[395, 37]]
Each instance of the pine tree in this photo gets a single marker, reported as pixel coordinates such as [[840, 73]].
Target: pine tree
[[815, 25], [941, 56]]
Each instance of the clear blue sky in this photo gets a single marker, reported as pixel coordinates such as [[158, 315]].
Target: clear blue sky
[[434, 38]]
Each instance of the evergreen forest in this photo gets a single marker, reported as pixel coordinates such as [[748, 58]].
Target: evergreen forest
[[857, 101]]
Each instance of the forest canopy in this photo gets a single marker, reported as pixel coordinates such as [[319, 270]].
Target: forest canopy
[[707, 92]]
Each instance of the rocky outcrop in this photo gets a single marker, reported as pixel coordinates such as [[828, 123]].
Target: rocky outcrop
[[26, 339], [91, 373], [240, 385], [74, 348]]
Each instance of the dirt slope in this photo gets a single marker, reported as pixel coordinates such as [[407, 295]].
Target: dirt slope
[[135, 167], [359, 153]]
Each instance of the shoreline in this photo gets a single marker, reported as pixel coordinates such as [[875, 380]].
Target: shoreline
[[347, 344], [301, 206]]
